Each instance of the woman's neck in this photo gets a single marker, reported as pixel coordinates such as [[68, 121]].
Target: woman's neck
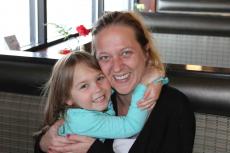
[[123, 102]]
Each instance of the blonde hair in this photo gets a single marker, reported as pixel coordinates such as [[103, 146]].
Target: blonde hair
[[58, 87], [134, 21]]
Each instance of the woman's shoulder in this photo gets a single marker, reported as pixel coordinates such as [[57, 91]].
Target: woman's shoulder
[[173, 98], [171, 92]]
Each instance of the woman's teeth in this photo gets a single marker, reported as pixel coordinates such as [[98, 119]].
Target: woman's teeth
[[121, 77]]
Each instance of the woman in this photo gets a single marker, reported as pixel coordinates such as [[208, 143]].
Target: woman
[[124, 50]]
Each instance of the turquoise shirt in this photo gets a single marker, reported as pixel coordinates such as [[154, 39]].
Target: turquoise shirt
[[105, 125]]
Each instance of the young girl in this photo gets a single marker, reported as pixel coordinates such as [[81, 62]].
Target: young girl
[[79, 92]]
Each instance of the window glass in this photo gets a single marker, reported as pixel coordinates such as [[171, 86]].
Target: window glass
[[116, 5], [68, 14], [14, 21]]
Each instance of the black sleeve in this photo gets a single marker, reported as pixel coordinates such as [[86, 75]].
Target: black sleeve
[[170, 127], [37, 140], [181, 123], [100, 147], [187, 126], [97, 146]]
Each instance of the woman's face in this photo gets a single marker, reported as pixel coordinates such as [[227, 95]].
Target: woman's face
[[120, 56]]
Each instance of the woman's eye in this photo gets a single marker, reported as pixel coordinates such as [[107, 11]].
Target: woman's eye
[[104, 58], [126, 53]]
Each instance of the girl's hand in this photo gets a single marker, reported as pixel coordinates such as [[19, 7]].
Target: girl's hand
[[153, 89], [151, 95]]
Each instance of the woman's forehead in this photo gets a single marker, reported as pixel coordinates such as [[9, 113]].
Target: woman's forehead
[[115, 38]]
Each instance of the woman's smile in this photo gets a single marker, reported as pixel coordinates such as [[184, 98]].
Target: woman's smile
[[121, 77]]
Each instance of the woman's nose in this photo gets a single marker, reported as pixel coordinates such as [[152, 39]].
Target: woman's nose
[[117, 64]]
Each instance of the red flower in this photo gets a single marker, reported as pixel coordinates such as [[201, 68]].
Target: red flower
[[65, 51], [82, 30]]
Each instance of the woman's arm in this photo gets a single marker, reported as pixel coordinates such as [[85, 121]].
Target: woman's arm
[[100, 147], [49, 138], [187, 128], [170, 127], [80, 144], [181, 126], [51, 142]]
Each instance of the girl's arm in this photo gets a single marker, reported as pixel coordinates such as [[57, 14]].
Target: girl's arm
[[153, 89], [103, 125]]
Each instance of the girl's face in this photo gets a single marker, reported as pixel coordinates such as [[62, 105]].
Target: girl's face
[[120, 56], [91, 90]]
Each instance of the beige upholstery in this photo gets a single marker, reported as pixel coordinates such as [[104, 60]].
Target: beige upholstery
[[20, 116], [212, 134]]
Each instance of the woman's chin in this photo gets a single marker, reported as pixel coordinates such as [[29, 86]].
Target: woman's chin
[[124, 89]]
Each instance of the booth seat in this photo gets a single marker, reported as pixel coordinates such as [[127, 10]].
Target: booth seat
[[21, 79], [209, 94], [194, 6], [194, 17]]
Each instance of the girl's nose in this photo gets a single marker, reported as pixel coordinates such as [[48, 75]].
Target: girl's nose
[[97, 87]]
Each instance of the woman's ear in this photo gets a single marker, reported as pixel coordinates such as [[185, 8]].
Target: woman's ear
[[147, 50], [147, 54]]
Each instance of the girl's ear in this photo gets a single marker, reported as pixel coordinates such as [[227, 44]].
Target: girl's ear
[[69, 102]]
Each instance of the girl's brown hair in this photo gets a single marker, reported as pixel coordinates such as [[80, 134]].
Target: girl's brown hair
[[58, 88], [134, 21]]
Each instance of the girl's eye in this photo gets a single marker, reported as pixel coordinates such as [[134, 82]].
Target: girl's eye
[[101, 77], [83, 86]]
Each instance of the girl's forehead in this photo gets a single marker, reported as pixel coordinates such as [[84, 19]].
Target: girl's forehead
[[82, 68]]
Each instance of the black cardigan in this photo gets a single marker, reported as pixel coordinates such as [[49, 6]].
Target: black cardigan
[[170, 127]]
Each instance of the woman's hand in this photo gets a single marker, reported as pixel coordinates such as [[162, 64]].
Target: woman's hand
[[79, 144], [51, 138], [52, 143]]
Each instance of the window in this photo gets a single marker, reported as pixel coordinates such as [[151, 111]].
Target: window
[[68, 13], [15, 20], [118, 5], [26, 19]]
